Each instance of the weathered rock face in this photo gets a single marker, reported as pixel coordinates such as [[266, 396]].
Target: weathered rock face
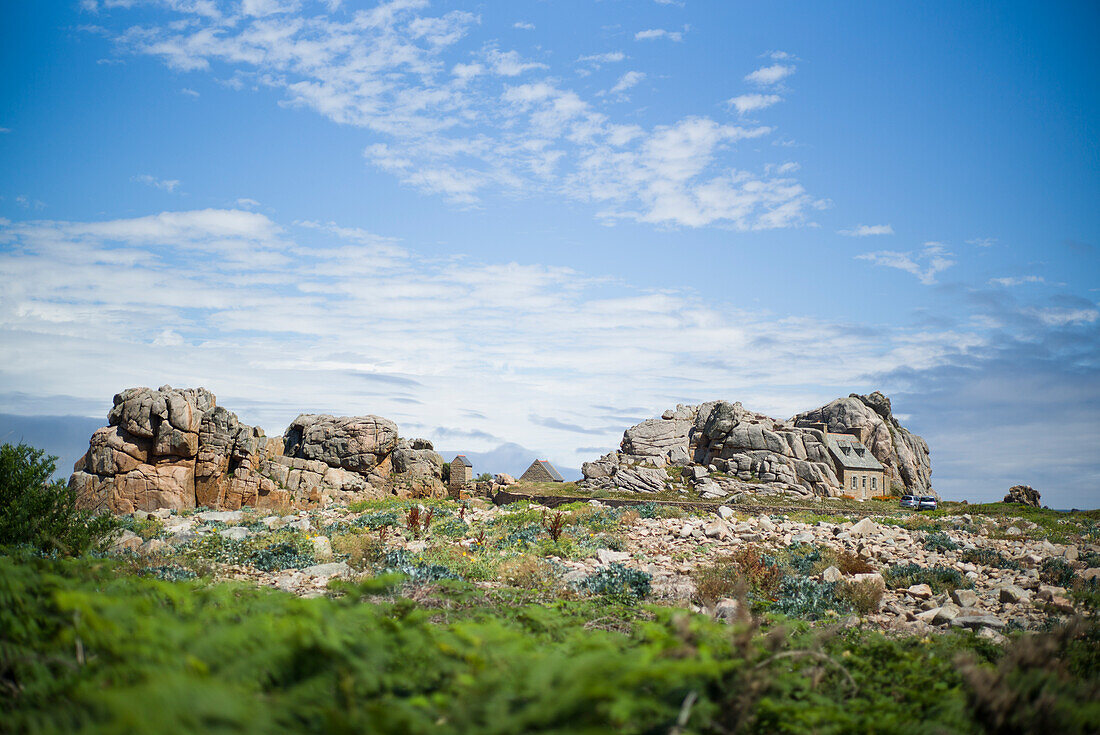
[[1023, 494], [357, 443], [905, 456], [178, 449], [722, 449]]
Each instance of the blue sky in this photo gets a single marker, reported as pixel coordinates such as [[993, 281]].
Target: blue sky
[[539, 222]]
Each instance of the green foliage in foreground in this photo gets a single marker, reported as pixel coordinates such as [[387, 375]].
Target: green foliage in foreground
[[41, 513], [87, 648]]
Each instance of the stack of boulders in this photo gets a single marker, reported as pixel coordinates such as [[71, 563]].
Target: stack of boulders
[[1022, 494], [176, 448], [722, 449]]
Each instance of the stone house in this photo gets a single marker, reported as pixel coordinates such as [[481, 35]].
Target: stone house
[[860, 474], [541, 471], [462, 473]]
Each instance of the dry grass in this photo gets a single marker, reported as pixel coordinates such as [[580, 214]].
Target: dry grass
[[851, 563], [864, 596], [628, 518], [528, 572], [362, 550]]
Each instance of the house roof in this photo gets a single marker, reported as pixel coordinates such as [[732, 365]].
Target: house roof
[[553, 472], [462, 459], [850, 453]]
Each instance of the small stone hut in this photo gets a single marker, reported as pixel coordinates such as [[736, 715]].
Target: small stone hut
[[462, 473], [860, 474], [541, 471]]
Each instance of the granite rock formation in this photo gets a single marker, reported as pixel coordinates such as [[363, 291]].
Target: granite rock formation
[[176, 448], [723, 449], [1022, 494]]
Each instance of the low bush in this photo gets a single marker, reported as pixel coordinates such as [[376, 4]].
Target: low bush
[[863, 597], [618, 581], [147, 528], [849, 562], [939, 578], [362, 550], [528, 572], [940, 542], [988, 558], [804, 597], [720, 579], [1056, 571], [415, 569], [760, 571], [42, 513]]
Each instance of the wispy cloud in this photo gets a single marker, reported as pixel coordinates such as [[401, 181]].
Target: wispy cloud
[[982, 242], [462, 120], [769, 75], [867, 230], [189, 92], [746, 103], [924, 264], [628, 80], [1015, 280], [523, 25], [168, 185], [654, 34]]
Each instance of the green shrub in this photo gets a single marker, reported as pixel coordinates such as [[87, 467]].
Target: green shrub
[[616, 580], [988, 558], [804, 597], [41, 513], [940, 541], [939, 578], [415, 569], [1056, 571]]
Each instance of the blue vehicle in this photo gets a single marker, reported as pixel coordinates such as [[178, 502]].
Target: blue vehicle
[[910, 501], [927, 502]]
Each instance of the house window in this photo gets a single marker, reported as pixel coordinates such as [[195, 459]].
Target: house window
[[855, 482], [872, 483], [865, 482]]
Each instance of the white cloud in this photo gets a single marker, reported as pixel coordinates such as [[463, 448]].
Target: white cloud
[[752, 102], [5, 130], [867, 230], [1015, 280], [189, 92], [982, 242], [523, 26], [628, 80], [1059, 317], [329, 317], [924, 264], [463, 120], [656, 33], [247, 203], [769, 75], [26, 202], [168, 185], [610, 57]]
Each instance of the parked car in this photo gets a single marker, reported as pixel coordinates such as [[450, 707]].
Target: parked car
[[927, 502], [909, 501]]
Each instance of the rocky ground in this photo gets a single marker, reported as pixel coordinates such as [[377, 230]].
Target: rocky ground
[[890, 569]]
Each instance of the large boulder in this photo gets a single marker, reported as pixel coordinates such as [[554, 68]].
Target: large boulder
[[358, 443], [1023, 494], [656, 437]]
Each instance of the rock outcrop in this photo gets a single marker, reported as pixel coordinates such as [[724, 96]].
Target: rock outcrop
[[173, 448], [1022, 494], [723, 449]]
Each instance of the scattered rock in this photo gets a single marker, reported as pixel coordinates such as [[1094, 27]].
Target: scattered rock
[[920, 591], [964, 597], [1010, 593], [236, 533], [127, 541], [327, 571], [832, 574]]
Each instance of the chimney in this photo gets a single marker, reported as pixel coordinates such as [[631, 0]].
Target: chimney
[[857, 431]]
